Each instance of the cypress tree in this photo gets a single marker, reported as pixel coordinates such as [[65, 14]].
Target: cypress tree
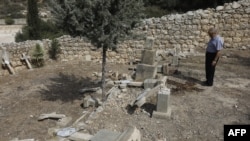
[[33, 20], [104, 22]]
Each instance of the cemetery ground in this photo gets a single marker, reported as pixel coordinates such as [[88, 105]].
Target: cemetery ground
[[198, 112]]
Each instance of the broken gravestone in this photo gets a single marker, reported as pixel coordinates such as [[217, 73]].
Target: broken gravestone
[[6, 62], [144, 71], [163, 109], [148, 67], [26, 59]]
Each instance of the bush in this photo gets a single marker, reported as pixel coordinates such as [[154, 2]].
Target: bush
[[48, 30], [54, 49], [22, 36], [9, 21], [38, 56]]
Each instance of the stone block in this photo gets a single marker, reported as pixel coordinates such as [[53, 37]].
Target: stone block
[[163, 109], [105, 135], [150, 83], [80, 137], [163, 100], [162, 115], [149, 43], [123, 86], [165, 69], [148, 57], [175, 60], [131, 134], [144, 71], [135, 84], [162, 80], [89, 101], [159, 69]]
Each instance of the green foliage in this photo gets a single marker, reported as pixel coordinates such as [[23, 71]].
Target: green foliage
[[33, 20], [9, 21], [54, 49], [185, 5], [48, 31], [23, 35], [12, 10], [104, 22], [38, 56]]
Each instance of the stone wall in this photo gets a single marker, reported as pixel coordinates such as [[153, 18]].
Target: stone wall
[[183, 32]]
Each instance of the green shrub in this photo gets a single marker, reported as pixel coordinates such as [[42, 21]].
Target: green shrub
[[38, 56], [22, 36], [9, 21], [48, 30], [54, 49]]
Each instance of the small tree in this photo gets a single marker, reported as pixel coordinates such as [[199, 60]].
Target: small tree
[[104, 22], [54, 49], [38, 56]]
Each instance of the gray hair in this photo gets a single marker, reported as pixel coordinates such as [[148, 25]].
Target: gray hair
[[212, 31]]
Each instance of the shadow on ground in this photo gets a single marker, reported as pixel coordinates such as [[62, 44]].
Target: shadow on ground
[[66, 88]]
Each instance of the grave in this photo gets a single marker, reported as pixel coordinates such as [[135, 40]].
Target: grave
[[163, 109], [26, 60], [148, 67], [144, 71], [6, 62]]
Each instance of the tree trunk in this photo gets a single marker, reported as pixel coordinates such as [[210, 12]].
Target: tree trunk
[[104, 50]]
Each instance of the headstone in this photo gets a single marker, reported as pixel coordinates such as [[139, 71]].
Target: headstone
[[144, 71], [159, 69], [26, 60], [149, 43], [165, 69], [148, 57], [150, 83], [163, 109], [175, 60]]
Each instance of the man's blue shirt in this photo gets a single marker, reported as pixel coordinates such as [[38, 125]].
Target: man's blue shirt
[[215, 44]]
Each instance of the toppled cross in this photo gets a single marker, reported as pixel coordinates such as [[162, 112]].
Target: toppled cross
[[26, 60], [6, 62]]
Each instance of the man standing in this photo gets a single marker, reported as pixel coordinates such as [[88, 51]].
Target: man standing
[[214, 46]]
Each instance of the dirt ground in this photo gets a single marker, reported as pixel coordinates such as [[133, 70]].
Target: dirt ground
[[197, 115]]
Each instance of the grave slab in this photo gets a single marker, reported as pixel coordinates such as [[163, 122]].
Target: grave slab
[[105, 135], [144, 71], [150, 83], [131, 134]]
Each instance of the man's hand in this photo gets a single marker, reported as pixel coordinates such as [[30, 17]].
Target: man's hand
[[214, 63]]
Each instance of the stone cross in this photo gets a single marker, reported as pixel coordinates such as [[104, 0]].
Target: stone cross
[[6, 62], [26, 59]]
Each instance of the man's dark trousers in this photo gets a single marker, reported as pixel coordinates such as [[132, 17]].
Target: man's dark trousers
[[210, 69]]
